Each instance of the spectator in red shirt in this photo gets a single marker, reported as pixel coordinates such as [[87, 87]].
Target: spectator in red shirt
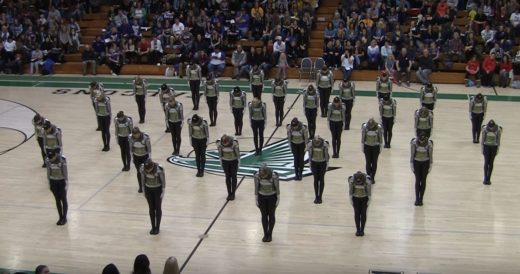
[[472, 71], [488, 66], [441, 12], [143, 49], [505, 71]]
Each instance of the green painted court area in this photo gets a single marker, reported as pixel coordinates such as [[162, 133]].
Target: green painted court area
[[118, 83]]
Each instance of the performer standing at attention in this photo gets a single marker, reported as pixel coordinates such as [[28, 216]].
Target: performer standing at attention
[[104, 116], [428, 96], [211, 91], [141, 151], [423, 121], [421, 160], [256, 78], [360, 192], [298, 137], [388, 112], [140, 92], [257, 117], [152, 176], [491, 134], [279, 89], [267, 194], [174, 118], [383, 85], [229, 153], [311, 100], [58, 181], [318, 150], [124, 125], [336, 119], [194, 73], [324, 82], [347, 93], [371, 140], [477, 112], [237, 102], [199, 136], [95, 90]]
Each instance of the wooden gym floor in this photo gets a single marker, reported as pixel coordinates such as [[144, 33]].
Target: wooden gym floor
[[463, 227]]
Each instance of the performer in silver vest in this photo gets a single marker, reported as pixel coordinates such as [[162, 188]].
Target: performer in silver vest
[[360, 192], [212, 92], [141, 151], [58, 180], [347, 94], [229, 153], [194, 75], [96, 89], [37, 122], [371, 141], [174, 118], [257, 117], [279, 90], [324, 82], [428, 96], [52, 138], [140, 93], [267, 194], [123, 126], [421, 160], [152, 176], [491, 134], [165, 93], [383, 85], [318, 150], [336, 119], [388, 112], [199, 136], [423, 121], [237, 102], [104, 117], [298, 137], [256, 79], [311, 101], [477, 112]]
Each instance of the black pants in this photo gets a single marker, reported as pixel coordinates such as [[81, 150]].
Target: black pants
[[199, 146], [310, 114], [60, 195], [98, 125], [230, 170], [153, 197], [426, 132], [141, 107], [428, 106], [421, 172], [138, 161], [360, 212], [124, 145], [388, 125], [324, 99], [318, 171], [238, 114], [298, 151], [257, 91], [104, 122], [349, 104], [212, 105], [114, 67], [278, 109], [175, 131], [42, 149], [476, 125], [195, 93], [371, 155], [336, 128], [258, 127], [381, 95], [487, 79], [490, 152], [267, 206]]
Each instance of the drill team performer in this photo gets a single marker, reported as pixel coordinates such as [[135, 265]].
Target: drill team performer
[[211, 91], [491, 134], [194, 75], [423, 122], [123, 126], [336, 119], [256, 78], [237, 102], [319, 160], [141, 151], [279, 90], [140, 92], [199, 136], [152, 176], [477, 111], [347, 93], [324, 82], [95, 90], [311, 100], [267, 194], [52, 138], [38, 121], [388, 111], [174, 113], [360, 192], [428, 96], [104, 117], [58, 181], [229, 154], [421, 159], [165, 93], [383, 85], [371, 140], [298, 137], [257, 117]]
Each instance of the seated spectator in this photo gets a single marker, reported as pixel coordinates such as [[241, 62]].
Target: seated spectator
[[442, 12], [242, 22], [515, 21], [488, 36], [217, 62], [139, 13], [64, 38], [143, 49], [329, 33], [47, 66], [100, 49], [278, 47], [215, 40], [489, 66], [338, 51], [129, 51], [156, 51], [292, 53], [347, 65], [10, 48], [498, 51], [186, 40], [328, 53], [373, 55], [455, 48], [36, 61], [267, 62], [473, 72], [88, 57], [425, 64], [239, 62], [177, 30], [403, 67], [136, 28], [386, 50], [200, 44], [390, 66], [15, 66], [114, 59], [202, 58], [3, 57], [506, 68]]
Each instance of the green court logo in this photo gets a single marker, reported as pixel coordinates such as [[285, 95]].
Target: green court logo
[[277, 156]]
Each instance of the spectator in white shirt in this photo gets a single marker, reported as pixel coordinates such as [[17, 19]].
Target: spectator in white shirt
[[10, 47], [278, 47], [347, 65], [515, 21], [36, 60], [156, 51], [177, 30], [217, 63]]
